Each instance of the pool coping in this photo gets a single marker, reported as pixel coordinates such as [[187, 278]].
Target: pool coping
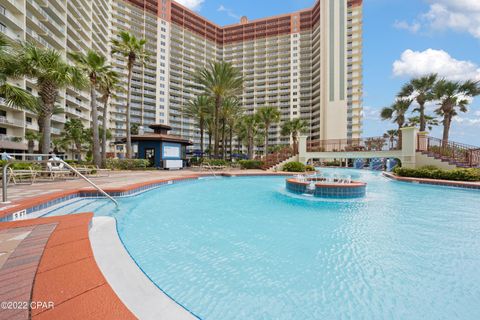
[[435, 182], [136, 290]]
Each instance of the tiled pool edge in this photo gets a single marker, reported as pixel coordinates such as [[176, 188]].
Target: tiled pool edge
[[23, 208], [127, 279], [433, 182]]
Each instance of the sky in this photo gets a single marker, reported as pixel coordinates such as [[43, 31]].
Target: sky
[[402, 39]]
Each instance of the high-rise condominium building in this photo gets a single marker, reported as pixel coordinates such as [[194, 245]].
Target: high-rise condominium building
[[308, 63]]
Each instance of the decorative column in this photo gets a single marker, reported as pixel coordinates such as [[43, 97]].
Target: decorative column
[[302, 149], [409, 147]]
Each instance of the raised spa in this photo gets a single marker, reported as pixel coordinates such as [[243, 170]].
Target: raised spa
[[322, 187]]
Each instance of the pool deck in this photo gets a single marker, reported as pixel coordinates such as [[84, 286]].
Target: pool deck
[[48, 269]]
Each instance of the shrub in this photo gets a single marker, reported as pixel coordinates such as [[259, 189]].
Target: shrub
[[215, 162], [430, 173], [22, 165], [127, 164], [294, 167], [250, 164], [310, 168], [429, 168], [332, 163]]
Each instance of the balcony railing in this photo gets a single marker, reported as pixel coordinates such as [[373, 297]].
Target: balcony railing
[[354, 145]]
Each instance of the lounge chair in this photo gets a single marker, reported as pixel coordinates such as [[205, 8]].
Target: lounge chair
[[18, 176]]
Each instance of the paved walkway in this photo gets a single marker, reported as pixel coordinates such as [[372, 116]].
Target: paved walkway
[[49, 272]]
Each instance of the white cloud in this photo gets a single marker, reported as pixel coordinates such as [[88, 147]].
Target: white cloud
[[419, 63], [228, 11], [191, 4], [458, 15], [413, 27]]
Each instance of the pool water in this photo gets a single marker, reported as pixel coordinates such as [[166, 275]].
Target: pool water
[[244, 248]]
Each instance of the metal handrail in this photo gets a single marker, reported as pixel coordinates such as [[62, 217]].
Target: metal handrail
[[459, 153], [54, 159]]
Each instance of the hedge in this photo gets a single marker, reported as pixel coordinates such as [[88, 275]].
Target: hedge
[[21, 165], [435, 173], [294, 167], [127, 164], [250, 164]]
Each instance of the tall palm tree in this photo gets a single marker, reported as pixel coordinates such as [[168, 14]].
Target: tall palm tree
[[268, 116], [453, 97], [198, 109], [52, 74], [108, 84], [13, 95], [232, 113], [95, 66], [74, 134], [249, 129], [219, 80], [397, 113], [133, 49], [229, 109], [294, 128], [420, 90]]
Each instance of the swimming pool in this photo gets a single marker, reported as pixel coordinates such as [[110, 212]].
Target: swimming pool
[[244, 248]]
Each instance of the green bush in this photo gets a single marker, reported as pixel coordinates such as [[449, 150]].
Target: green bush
[[429, 168], [431, 173], [215, 162], [127, 164], [294, 167], [310, 168], [250, 164], [332, 163], [22, 165]]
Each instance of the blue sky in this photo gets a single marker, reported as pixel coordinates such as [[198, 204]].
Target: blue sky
[[402, 39]]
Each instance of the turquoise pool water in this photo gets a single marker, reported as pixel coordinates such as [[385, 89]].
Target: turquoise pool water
[[243, 248]]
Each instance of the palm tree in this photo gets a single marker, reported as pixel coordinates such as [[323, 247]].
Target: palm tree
[[94, 65], [397, 113], [453, 97], [249, 128], [13, 95], [74, 134], [52, 74], [31, 137], [391, 135], [268, 116], [133, 49], [420, 90], [108, 84], [294, 128], [219, 80], [198, 109], [232, 113], [230, 109]]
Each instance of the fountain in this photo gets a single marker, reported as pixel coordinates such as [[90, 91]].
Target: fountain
[[335, 186]]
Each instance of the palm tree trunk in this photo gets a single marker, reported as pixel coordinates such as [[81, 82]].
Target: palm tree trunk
[[201, 137], [46, 134], [267, 125], [231, 143], [104, 133], [446, 128], [97, 160], [423, 124], [209, 144], [129, 94], [218, 105], [31, 146], [295, 143], [223, 140], [400, 138]]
